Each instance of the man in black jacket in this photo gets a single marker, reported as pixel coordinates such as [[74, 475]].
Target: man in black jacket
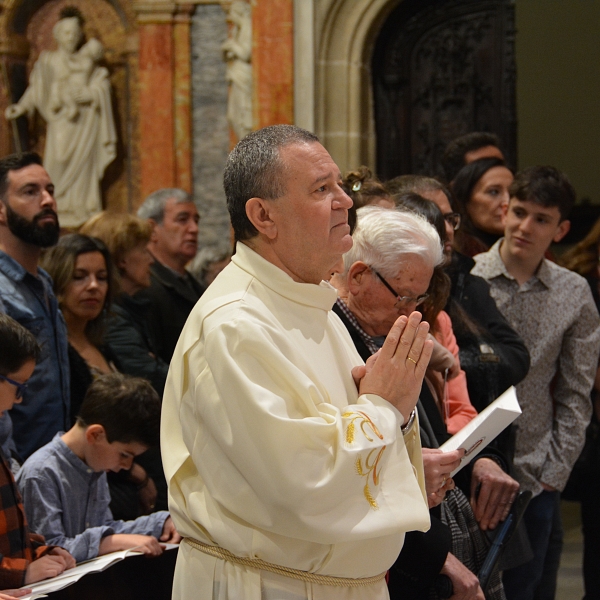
[[174, 291]]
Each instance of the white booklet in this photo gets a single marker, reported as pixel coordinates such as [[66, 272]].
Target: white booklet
[[94, 565], [489, 423], [66, 578]]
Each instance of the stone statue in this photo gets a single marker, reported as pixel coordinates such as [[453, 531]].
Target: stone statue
[[72, 93], [237, 51]]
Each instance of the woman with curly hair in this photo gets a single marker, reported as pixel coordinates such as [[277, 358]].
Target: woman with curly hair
[[128, 335], [364, 189]]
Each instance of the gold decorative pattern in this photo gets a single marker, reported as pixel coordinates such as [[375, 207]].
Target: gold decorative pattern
[[369, 469]]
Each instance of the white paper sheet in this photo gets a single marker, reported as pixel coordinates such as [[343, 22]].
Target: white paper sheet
[[66, 578], [488, 424]]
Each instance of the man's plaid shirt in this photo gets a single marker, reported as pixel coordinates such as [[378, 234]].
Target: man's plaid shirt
[[18, 546]]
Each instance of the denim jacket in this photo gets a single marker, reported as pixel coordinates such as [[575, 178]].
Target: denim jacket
[[45, 407]]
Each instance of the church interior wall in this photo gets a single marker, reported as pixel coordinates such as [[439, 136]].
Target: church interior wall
[[311, 61], [558, 89], [209, 123]]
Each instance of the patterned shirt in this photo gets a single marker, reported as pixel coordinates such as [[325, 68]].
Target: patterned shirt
[[18, 547], [555, 314]]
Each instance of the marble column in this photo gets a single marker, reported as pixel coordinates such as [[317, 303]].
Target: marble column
[[272, 60], [157, 152], [210, 126], [182, 96], [164, 95]]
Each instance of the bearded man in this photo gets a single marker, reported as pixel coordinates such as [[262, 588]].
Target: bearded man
[[29, 223]]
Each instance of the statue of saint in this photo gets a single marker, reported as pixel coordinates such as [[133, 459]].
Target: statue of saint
[[237, 51], [71, 91]]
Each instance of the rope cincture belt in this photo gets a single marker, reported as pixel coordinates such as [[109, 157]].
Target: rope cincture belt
[[263, 565]]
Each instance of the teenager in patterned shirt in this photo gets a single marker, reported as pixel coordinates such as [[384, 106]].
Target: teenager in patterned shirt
[[555, 314]]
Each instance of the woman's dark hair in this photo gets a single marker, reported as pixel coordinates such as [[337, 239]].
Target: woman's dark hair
[[462, 189], [60, 261], [426, 208], [466, 180], [439, 286], [127, 407], [17, 345]]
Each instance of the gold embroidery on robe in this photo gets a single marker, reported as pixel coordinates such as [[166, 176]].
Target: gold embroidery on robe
[[368, 469]]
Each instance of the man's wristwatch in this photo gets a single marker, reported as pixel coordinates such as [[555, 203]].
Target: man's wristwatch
[[411, 419]]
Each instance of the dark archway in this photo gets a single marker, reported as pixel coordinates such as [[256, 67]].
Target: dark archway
[[442, 68]]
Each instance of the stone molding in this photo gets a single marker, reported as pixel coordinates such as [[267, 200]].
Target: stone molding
[[344, 36]]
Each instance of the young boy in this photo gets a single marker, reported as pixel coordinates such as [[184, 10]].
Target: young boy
[[554, 312], [64, 483], [23, 557]]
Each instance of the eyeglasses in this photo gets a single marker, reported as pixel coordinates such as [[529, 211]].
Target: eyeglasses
[[454, 219], [21, 387], [402, 301]]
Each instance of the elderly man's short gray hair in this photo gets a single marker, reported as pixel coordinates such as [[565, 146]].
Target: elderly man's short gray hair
[[154, 205], [385, 238]]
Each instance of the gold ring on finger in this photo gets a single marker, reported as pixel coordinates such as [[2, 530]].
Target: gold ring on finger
[[411, 359]]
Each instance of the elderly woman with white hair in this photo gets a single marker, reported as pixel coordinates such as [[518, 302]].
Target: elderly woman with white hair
[[396, 251]]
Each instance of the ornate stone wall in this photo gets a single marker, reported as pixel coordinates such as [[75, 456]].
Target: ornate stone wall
[[26, 30], [170, 91], [210, 127]]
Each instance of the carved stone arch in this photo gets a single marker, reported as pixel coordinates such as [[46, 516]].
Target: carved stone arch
[[344, 108], [26, 30]]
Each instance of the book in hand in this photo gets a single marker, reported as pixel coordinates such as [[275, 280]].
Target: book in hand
[[66, 578], [488, 424]]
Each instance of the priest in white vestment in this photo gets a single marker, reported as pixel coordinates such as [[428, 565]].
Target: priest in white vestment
[[286, 481]]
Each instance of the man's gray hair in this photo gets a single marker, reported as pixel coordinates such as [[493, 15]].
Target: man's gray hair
[[254, 170], [154, 205], [385, 238]]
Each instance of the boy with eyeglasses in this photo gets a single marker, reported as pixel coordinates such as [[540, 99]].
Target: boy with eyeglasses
[[24, 557]]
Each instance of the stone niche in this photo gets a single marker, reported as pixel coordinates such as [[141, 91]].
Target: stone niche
[[169, 90], [26, 30]]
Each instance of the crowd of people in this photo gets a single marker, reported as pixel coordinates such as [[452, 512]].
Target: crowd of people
[[306, 389]]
